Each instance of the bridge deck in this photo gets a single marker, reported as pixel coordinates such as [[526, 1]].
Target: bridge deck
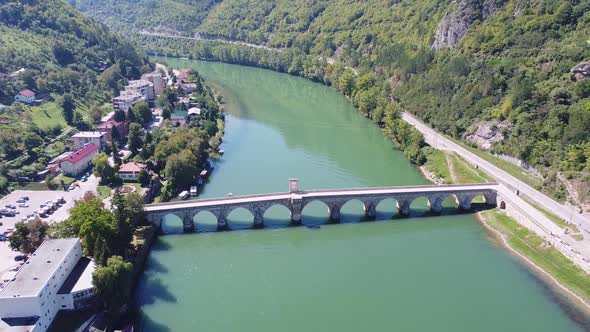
[[311, 194]]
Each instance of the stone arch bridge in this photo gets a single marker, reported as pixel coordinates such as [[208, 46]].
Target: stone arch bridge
[[296, 200]]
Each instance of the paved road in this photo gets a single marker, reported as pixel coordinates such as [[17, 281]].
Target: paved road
[[440, 142]]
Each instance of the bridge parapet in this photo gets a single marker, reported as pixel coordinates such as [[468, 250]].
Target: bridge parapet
[[296, 201]]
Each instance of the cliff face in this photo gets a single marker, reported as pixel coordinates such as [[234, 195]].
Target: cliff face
[[454, 25]]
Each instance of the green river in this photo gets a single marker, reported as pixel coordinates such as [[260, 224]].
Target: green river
[[415, 274]]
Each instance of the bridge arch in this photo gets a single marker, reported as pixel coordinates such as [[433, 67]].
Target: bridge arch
[[277, 215], [171, 223], [239, 218], [353, 210], [420, 204], [205, 221], [315, 212], [386, 208]]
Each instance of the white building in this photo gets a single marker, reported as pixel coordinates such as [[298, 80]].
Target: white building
[[126, 100], [79, 161], [56, 277], [142, 87], [86, 137], [157, 80]]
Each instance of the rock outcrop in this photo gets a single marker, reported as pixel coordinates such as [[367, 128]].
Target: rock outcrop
[[581, 71], [453, 26], [485, 134]]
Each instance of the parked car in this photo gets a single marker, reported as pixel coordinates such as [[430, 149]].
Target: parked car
[[26, 198], [3, 237], [19, 258], [20, 200], [23, 205]]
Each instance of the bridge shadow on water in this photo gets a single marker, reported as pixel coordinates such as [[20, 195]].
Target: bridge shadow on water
[[317, 218]]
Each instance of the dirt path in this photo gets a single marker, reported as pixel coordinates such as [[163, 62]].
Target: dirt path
[[451, 168]]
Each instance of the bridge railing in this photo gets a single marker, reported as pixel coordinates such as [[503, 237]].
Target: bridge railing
[[426, 186], [281, 195]]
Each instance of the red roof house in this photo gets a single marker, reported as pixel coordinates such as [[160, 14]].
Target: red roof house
[[130, 170], [25, 96], [79, 161]]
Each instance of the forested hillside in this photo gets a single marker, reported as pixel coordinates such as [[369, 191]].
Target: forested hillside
[[509, 75], [72, 63]]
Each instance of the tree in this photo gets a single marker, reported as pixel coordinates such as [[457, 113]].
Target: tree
[[135, 137], [131, 116], [103, 169], [142, 112], [119, 116], [115, 152], [181, 169], [134, 206], [111, 283], [95, 113], [27, 237], [120, 211], [68, 106], [32, 141], [143, 177], [166, 113]]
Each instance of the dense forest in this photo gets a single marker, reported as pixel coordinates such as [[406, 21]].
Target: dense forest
[[518, 70], [72, 63]]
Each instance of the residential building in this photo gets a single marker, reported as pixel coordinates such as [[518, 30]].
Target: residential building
[[157, 80], [178, 118], [25, 96], [129, 171], [183, 75], [79, 161], [126, 100], [97, 138], [142, 87], [55, 277], [110, 126]]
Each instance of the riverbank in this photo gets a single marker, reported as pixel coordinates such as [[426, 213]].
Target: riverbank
[[545, 261], [554, 268]]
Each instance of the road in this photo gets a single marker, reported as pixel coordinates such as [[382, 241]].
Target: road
[[438, 141]]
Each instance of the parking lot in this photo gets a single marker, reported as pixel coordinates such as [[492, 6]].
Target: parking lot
[[36, 199]]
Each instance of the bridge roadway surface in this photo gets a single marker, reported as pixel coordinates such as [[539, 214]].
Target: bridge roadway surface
[[438, 141], [318, 194]]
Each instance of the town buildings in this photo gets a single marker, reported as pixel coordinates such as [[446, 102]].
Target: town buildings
[[142, 87], [110, 127], [56, 277], [79, 161], [157, 81], [25, 96], [126, 100], [130, 170], [97, 138]]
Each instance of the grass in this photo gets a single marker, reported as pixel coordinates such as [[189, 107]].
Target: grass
[[48, 115], [437, 164], [66, 179], [103, 191], [466, 173], [536, 249], [516, 171]]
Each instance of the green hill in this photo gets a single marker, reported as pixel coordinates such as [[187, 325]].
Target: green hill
[[63, 53], [496, 73]]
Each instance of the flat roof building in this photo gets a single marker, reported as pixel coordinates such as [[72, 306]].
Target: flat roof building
[[82, 138], [31, 300]]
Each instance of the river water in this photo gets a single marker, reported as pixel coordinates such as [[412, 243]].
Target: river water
[[415, 274]]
